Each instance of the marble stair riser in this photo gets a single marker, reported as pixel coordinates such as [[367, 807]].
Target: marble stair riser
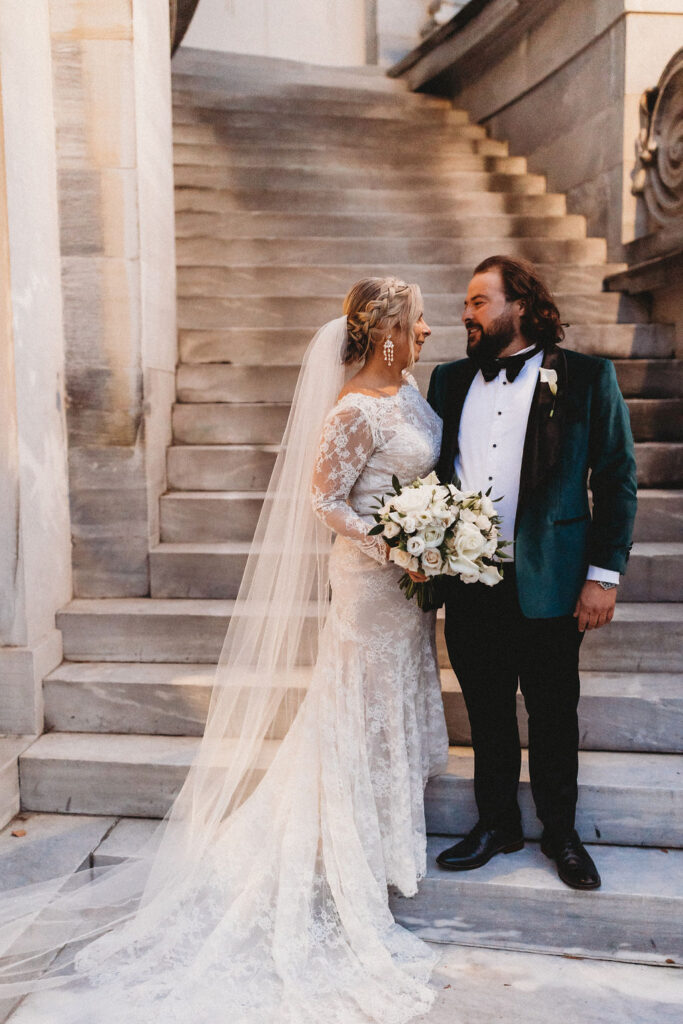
[[202, 305], [336, 279], [307, 151], [138, 776], [641, 638], [351, 173], [209, 94], [221, 198], [272, 346], [207, 423], [367, 133], [222, 516], [367, 249], [248, 467], [627, 712], [209, 571], [224, 382], [293, 168]]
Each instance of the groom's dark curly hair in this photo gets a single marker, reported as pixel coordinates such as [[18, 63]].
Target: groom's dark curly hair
[[540, 321]]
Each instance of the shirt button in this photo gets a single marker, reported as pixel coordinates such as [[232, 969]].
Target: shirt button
[[490, 478], [495, 446], [500, 414]]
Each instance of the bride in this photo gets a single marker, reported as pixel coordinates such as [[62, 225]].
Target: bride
[[263, 895]]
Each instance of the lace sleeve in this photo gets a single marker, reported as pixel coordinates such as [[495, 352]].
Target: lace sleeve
[[345, 446]]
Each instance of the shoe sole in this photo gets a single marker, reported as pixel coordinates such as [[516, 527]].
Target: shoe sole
[[512, 848]]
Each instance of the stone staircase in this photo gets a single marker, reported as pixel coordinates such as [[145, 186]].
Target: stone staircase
[[292, 182]]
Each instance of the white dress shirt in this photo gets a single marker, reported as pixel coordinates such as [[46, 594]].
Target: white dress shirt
[[491, 444]]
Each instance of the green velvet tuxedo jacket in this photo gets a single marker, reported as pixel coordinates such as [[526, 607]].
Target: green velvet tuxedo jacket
[[586, 441]]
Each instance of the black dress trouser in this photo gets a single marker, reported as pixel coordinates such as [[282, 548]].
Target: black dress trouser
[[492, 647]]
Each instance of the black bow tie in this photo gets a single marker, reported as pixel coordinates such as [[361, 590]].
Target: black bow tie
[[512, 365]]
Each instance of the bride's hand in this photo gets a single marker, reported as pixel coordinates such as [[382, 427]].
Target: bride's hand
[[417, 577]]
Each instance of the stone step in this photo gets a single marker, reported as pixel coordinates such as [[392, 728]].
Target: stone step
[[617, 711], [260, 127], [201, 306], [660, 464], [248, 73], [220, 199], [207, 517], [248, 467], [656, 419], [203, 423], [203, 236], [364, 249], [191, 90], [203, 103], [308, 152], [517, 902], [337, 279], [641, 638], [635, 799], [198, 165], [11, 747], [214, 570], [277, 346], [235, 382]]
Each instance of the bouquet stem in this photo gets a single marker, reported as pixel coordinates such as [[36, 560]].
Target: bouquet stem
[[424, 593]]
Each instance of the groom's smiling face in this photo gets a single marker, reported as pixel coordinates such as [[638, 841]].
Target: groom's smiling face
[[492, 323]]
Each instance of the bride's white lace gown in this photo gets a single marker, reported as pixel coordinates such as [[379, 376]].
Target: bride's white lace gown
[[289, 922]]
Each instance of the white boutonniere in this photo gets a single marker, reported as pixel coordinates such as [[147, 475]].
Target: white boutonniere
[[549, 377]]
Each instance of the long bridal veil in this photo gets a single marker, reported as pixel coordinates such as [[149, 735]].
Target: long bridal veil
[[57, 932]]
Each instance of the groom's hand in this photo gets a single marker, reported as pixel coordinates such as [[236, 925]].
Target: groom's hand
[[595, 607]]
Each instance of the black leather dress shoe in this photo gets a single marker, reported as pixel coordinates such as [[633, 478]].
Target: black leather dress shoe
[[574, 863], [478, 847]]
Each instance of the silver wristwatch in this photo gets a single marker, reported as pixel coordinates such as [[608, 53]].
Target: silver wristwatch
[[606, 586]]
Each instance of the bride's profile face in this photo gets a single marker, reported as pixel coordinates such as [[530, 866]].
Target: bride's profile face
[[403, 345]]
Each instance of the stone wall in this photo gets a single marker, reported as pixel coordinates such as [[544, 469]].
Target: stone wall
[[561, 81], [35, 577], [111, 72]]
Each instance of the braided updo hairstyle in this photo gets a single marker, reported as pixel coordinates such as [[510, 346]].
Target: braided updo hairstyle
[[375, 305]]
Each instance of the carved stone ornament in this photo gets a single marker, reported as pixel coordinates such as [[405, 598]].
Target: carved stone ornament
[[658, 175]]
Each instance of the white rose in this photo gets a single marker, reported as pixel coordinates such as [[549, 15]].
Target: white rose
[[490, 575], [433, 535], [486, 506], [415, 544], [409, 524], [490, 548], [483, 522], [470, 577], [467, 515], [468, 541], [413, 500], [391, 529], [403, 559], [432, 562]]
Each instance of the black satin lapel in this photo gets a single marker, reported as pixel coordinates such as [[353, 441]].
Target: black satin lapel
[[455, 400], [543, 439]]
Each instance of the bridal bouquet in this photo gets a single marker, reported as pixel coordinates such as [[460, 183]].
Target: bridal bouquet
[[439, 530]]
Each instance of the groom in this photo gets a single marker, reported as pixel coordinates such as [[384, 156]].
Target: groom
[[530, 422]]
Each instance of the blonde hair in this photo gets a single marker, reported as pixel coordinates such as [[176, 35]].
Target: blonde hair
[[373, 306]]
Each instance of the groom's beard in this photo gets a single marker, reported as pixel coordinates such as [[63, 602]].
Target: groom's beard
[[489, 343]]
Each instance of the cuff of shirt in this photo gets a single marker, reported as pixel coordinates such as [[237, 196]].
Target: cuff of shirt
[[602, 575]]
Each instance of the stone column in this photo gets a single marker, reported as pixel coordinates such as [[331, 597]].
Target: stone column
[[111, 69], [35, 577]]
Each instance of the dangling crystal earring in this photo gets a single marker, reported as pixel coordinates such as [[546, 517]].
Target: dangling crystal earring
[[388, 351]]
